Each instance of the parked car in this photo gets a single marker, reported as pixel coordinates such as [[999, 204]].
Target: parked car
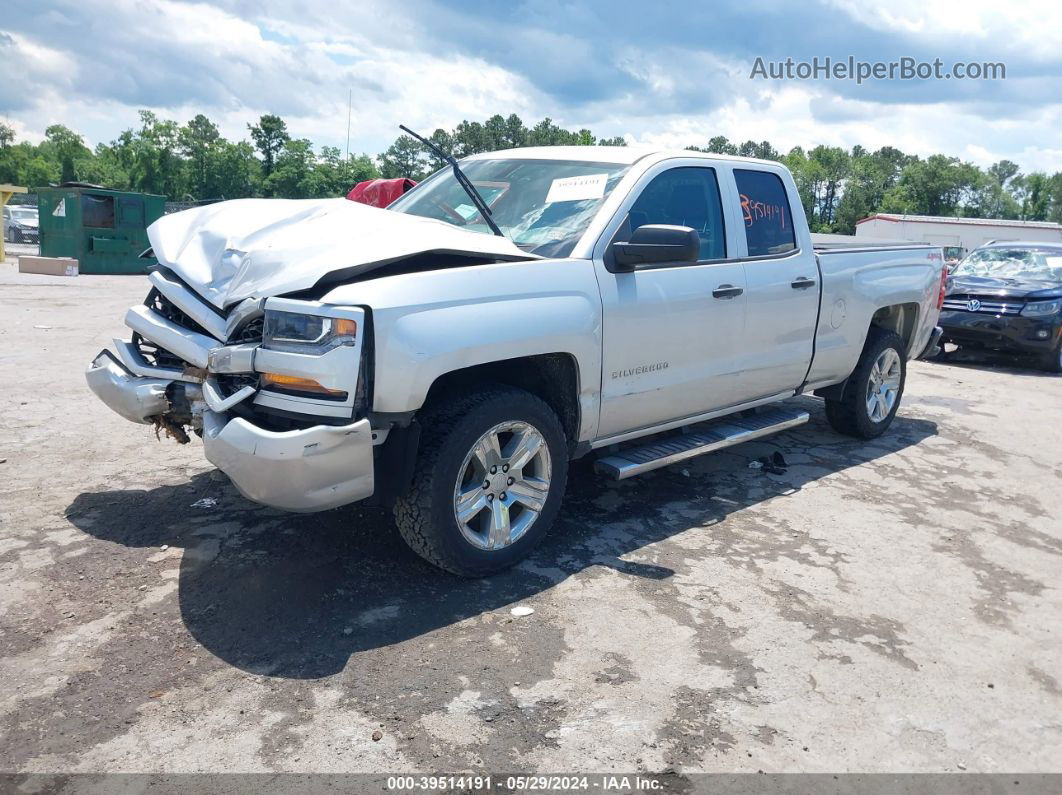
[[1007, 296], [21, 224], [953, 256], [451, 354]]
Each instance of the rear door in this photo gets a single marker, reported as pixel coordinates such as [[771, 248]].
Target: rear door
[[781, 282], [671, 332]]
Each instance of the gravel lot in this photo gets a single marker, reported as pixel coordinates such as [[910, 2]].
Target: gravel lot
[[891, 606]]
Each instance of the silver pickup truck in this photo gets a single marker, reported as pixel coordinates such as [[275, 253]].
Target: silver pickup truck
[[449, 356]]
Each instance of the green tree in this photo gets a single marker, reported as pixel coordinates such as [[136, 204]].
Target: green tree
[[404, 158], [871, 176], [270, 136], [235, 171], [938, 185], [65, 147], [1034, 192], [200, 141], [295, 174]]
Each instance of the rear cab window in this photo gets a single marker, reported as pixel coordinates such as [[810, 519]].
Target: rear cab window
[[765, 213]]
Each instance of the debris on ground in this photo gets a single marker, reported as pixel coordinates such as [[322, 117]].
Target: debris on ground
[[206, 502], [377, 736], [522, 610], [774, 464]]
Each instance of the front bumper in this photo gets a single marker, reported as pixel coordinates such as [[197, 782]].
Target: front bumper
[[313, 469], [1016, 334], [136, 399], [208, 378]]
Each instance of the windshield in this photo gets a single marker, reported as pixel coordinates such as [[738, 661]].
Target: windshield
[[543, 206], [23, 214], [1043, 264]]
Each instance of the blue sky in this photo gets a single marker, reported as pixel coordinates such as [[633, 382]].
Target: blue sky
[[672, 73]]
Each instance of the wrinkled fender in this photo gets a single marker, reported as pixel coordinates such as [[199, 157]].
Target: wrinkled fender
[[431, 323]]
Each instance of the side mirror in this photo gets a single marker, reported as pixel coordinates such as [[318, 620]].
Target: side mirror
[[655, 244]]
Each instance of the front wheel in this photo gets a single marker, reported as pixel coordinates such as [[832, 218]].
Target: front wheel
[[488, 481], [872, 395], [1052, 362]]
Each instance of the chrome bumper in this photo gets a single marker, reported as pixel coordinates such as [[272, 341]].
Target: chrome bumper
[[310, 469], [313, 469], [134, 398]]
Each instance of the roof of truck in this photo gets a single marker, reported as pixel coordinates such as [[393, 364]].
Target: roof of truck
[[623, 155]]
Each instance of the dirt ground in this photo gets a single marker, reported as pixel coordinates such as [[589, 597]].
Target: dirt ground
[[887, 606]]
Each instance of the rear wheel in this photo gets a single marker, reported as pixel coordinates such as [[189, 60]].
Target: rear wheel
[[872, 395], [488, 481]]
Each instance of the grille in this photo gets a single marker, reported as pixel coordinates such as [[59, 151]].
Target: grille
[[231, 383], [251, 331], [986, 307], [161, 304], [155, 355]]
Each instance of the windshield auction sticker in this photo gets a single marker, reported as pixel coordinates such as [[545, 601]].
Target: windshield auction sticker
[[575, 189]]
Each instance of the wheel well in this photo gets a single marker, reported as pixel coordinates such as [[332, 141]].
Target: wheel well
[[899, 318], [550, 376]]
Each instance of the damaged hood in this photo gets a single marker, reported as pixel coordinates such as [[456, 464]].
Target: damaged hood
[[262, 247]]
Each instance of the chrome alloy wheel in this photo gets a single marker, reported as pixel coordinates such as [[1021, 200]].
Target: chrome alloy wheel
[[883, 386], [502, 485]]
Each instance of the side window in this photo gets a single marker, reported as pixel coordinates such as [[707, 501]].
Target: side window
[[687, 196], [97, 211], [765, 209]]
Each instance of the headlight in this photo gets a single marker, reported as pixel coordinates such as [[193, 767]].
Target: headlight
[[299, 333], [1041, 308]]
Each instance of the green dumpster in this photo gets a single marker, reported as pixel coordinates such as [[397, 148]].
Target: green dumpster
[[104, 230]]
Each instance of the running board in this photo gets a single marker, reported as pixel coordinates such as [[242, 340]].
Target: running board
[[725, 433]]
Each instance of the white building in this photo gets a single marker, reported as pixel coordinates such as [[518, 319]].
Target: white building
[[967, 233]]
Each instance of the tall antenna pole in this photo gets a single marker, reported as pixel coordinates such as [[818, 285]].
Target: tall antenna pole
[[350, 97]]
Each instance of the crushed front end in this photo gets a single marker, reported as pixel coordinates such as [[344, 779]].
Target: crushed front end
[[276, 387]]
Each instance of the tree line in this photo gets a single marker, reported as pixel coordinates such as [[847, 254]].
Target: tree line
[[194, 162]]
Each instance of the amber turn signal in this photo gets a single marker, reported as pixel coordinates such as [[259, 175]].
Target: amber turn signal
[[344, 327], [292, 383]]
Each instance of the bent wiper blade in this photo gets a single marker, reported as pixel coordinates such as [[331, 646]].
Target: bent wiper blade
[[462, 180]]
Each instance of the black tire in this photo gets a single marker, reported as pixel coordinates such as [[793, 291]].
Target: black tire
[[849, 414], [1052, 362], [425, 512]]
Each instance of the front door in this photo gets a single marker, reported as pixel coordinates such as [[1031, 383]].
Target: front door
[[672, 332]]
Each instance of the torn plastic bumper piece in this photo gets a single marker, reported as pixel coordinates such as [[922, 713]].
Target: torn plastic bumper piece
[[932, 346], [311, 469], [134, 398]]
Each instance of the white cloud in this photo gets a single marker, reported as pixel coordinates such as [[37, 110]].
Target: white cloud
[[1030, 27], [91, 64]]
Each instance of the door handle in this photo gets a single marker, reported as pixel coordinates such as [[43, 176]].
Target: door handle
[[802, 283], [727, 291]]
